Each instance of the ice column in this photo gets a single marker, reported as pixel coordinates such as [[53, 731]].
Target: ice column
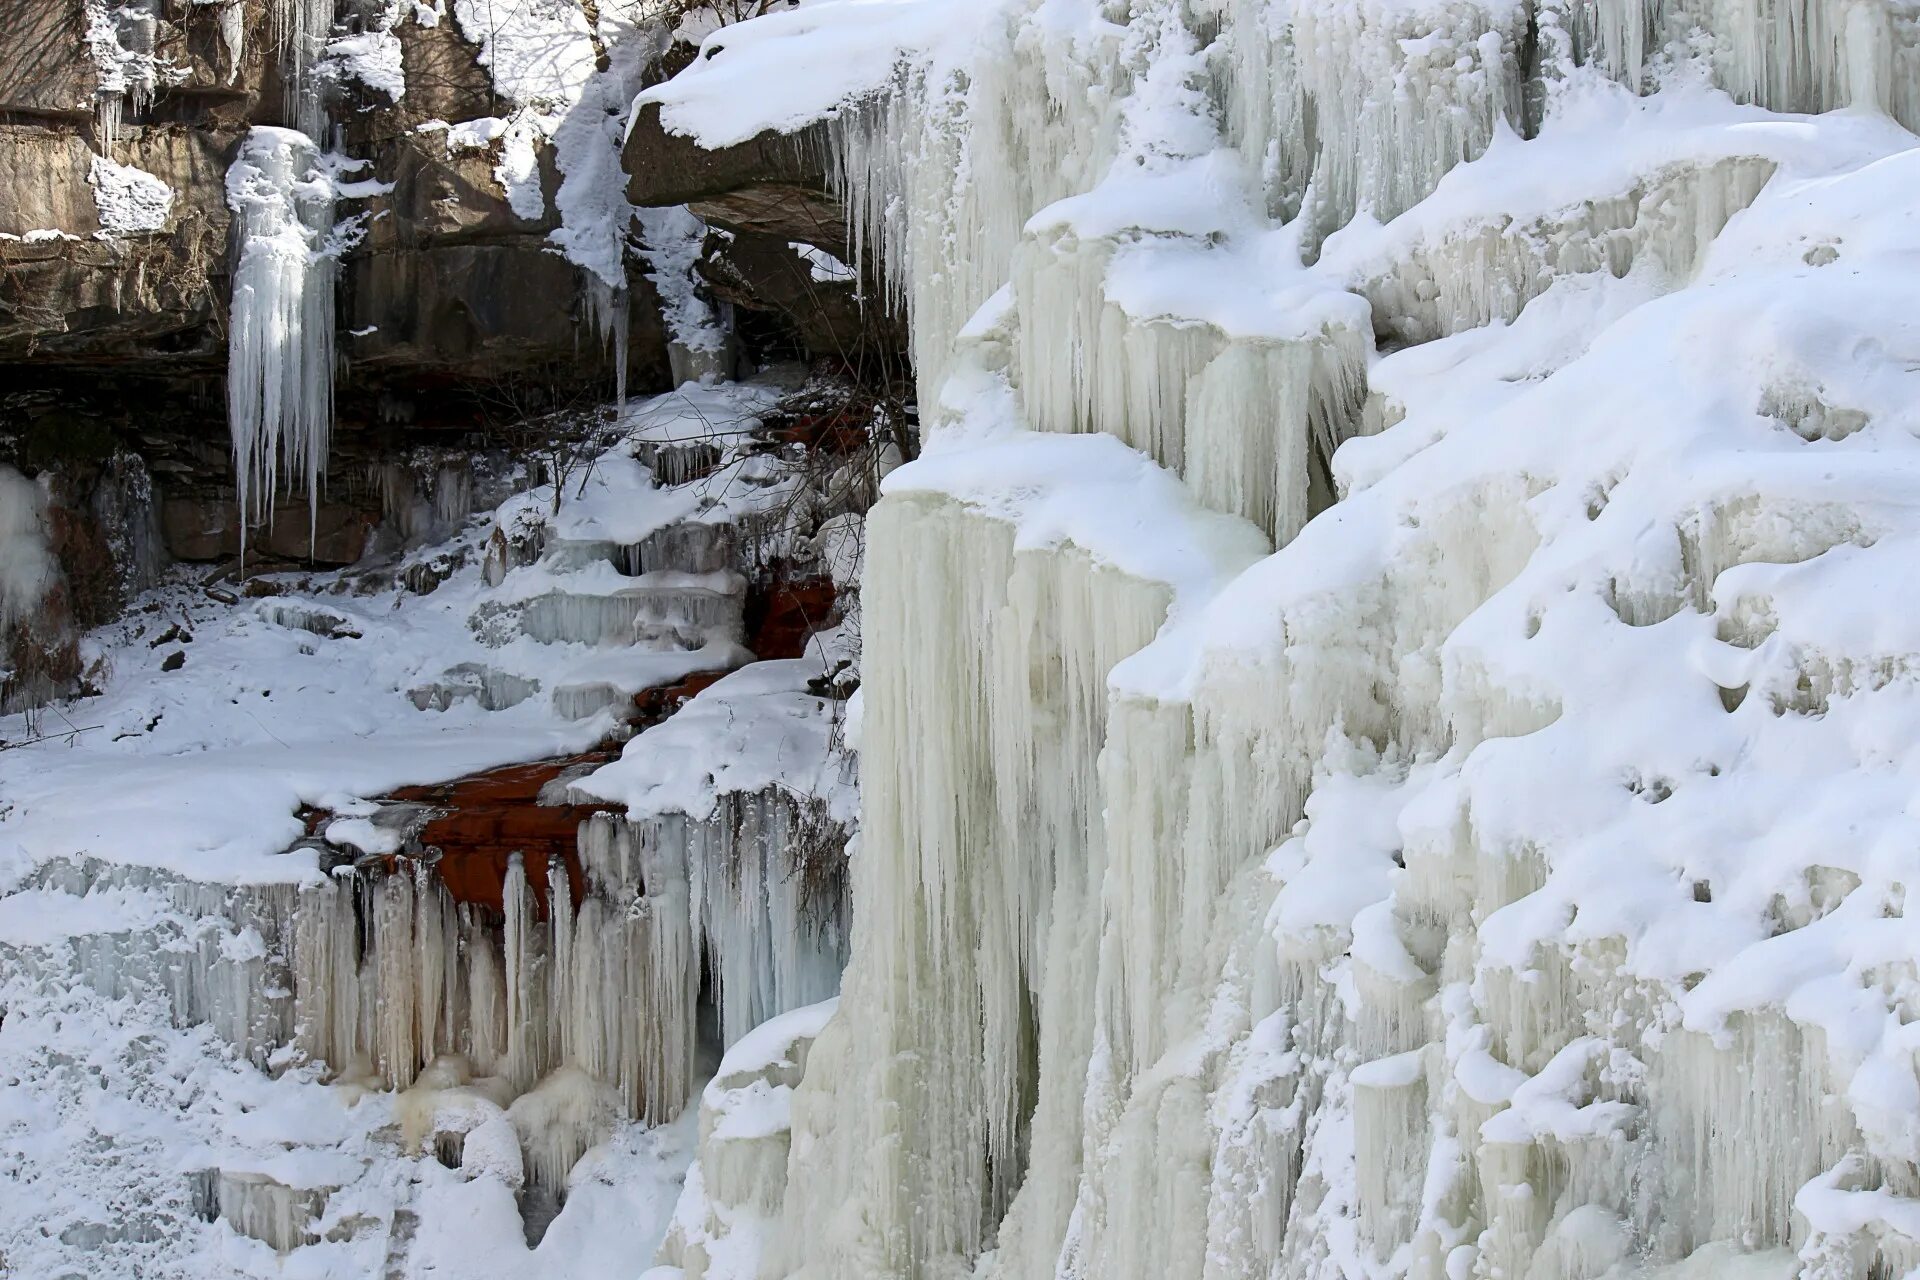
[[300, 29], [975, 900], [280, 345]]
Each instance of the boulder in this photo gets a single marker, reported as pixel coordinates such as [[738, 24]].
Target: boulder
[[207, 527]]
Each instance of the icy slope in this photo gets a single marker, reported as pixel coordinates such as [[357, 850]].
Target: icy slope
[[1506, 877]]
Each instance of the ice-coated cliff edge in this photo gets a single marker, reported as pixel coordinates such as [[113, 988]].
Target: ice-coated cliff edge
[[1505, 877]]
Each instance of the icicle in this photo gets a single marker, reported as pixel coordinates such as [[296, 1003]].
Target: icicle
[[299, 29], [934, 164], [397, 1049], [609, 314], [27, 566], [280, 355], [993, 820], [526, 1021]]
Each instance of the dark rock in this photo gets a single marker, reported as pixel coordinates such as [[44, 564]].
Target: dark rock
[[207, 528], [44, 68], [487, 313], [828, 312], [174, 661]]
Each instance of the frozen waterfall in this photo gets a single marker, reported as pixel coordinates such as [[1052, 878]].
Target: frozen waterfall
[[1419, 901]]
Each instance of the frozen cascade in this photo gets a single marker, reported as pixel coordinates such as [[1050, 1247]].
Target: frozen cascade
[[421, 976], [595, 968], [1248, 408], [730, 1204], [952, 155], [1420, 909], [213, 954], [1397, 94], [999, 852], [280, 357], [1787, 55], [769, 886], [26, 559]]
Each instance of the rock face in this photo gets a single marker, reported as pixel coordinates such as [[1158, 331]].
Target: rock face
[[452, 287], [773, 183], [448, 287]]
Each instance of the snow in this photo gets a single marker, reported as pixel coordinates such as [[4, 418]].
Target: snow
[[372, 58], [1521, 835], [163, 903], [804, 63], [543, 57], [727, 1216], [755, 729], [1387, 714], [130, 201]]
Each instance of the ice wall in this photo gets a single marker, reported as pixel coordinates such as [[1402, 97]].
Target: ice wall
[[1465, 889]]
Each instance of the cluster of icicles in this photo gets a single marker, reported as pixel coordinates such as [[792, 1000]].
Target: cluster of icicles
[[1067, 893], [391, 973], [539, 1027]]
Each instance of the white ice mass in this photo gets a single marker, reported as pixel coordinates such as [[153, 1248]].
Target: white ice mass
[[1389, 723]]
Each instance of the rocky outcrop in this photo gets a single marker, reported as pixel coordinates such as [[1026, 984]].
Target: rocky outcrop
[[76, 289], [780, 246], [773, 183], [452, 286], [448, 287], [455, 311]]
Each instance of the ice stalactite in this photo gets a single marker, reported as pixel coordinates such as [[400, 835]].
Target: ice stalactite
[[1247, 403], [1351, 108], [299, 31], [1786, 55], [1481, 275], [280, 345], [261, 1208], [421, 976], [698, 343], [948, 156], [610, 318], [769, 885], [214, 954], [730, 1206], [120, 39], [1339, 971], [27, 565]]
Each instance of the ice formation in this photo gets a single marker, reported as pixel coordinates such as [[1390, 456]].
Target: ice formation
[[299, 31], [120, 40], [280, 347], [569, 71], [26, 562], [1387, 718], [1505, 877], [371, 1050]]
